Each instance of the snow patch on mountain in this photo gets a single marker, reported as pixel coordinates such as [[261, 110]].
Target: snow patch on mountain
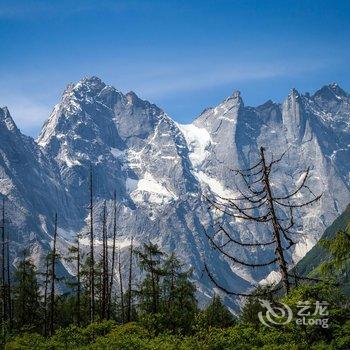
[[273, 277], [198, 142], [156, 192], [214, 185]]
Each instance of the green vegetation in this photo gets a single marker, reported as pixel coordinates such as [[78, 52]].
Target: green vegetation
[[166, 315], [330, 258], [318, 254], [160, 311], [217, 331]]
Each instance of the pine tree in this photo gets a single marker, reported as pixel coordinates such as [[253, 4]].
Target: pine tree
[[179, 304], [26, 295], [252, 306], [150, 258], [217, 315], [337, 265]]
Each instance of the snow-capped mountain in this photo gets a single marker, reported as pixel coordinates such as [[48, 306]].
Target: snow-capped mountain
[[160, 170]]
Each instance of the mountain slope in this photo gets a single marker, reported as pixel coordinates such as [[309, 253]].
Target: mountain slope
[[318, 254]]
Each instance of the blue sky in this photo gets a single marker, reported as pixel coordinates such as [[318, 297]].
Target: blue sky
[[182, 55]]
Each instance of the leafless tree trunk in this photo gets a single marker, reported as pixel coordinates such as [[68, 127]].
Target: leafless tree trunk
[[78, 282], [258, 197], [9, 298], [121, 286], [3, 268], [3, 282], [276, 231], [53, 278], [113, 252], [105, 289], [130, 282], [45, 294], [92, 260]]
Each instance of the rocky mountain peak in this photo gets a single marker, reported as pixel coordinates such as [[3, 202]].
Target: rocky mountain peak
[[331, 92], [294, 94], [7, 121], [234, 99], [93, 83]]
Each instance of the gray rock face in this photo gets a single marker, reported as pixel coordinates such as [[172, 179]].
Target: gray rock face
[[160, 169]]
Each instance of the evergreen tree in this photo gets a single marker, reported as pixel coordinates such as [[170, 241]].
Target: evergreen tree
[[179, 305], [217, 315], [150, 258], [26, 295], [252, 306], [337, 266]]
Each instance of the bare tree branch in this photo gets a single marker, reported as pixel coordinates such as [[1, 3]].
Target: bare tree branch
[[244, 244], [211, 277], [217, 247]]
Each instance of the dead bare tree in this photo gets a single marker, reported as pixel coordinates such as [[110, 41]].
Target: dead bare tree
[[130, 281], [9, 297], [121, 286], [3, 267], [113, 252], [258, 203], [92, 260], [53, 278], [47, 276], [105, 289]]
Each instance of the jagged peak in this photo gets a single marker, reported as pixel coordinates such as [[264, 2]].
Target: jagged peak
[[234, 99], [89, 84], [236, 95], [92, 80], [330, 91], [266, 105], [294, 93], [6, 119], [132, 97], [4, 111], [135, 100]]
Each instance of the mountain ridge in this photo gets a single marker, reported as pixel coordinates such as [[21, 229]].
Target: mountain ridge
[[161, 169]]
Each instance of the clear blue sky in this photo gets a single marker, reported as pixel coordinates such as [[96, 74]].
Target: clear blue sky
[[181, 55]]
